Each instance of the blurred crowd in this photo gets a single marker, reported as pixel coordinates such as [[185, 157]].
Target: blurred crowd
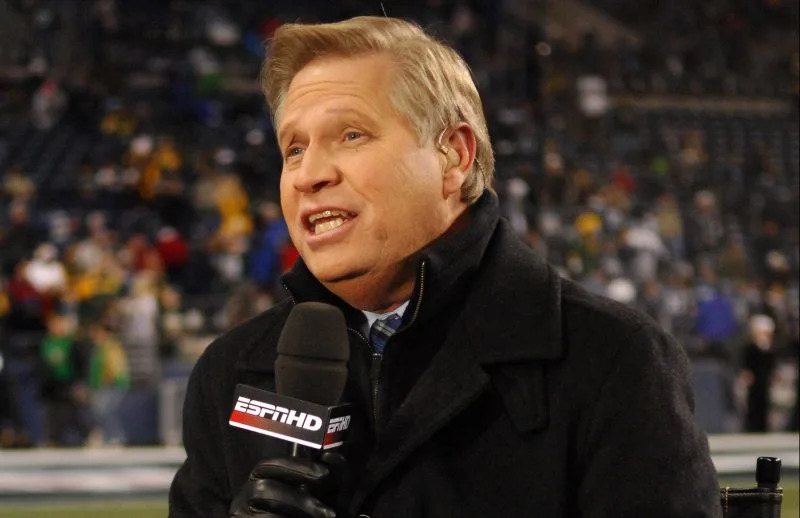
[[138, 184], [717, 47]]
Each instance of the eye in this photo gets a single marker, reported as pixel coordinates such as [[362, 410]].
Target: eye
[[293, 151], [352, 135]]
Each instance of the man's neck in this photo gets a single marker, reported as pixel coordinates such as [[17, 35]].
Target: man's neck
[[362, 293], [389, 309]]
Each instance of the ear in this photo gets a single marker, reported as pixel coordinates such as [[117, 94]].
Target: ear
[[458, 146]]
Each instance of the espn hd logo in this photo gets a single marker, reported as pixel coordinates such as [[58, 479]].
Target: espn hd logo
[[278, 413], [290, 419]]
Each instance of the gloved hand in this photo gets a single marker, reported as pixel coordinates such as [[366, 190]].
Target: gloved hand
[[281, 488]]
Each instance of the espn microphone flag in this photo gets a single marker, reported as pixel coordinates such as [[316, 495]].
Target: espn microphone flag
[[283, 417]]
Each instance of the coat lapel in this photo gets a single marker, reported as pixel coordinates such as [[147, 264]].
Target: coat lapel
[[510, 322], [452, 381], [514, 312]]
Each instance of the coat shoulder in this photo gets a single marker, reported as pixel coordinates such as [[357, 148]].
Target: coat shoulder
[[600, 333], [242, 340], [597, 316]]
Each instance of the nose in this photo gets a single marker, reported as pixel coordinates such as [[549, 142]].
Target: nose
[[317, 170]]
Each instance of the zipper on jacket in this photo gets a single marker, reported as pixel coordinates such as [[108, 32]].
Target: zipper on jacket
[[421, 293], [376, 365], [375, 381], [375, 360], [291, 295]]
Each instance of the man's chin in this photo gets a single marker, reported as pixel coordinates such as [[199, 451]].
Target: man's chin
[[356, 288], [336, 277], [363, 287]]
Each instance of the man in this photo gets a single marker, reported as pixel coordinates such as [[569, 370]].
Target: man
[[505, 390], [758, 366]]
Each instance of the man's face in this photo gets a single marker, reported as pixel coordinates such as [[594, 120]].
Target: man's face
[[360, 195]]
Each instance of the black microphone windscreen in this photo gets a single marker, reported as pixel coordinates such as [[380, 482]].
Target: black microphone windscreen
[[313, 351]]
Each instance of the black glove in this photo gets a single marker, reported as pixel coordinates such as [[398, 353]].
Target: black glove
[[282, 488]]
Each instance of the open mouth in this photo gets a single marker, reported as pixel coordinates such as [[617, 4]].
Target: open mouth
[[326, 220]]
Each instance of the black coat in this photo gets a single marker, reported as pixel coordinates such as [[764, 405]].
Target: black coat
[[507, 392]]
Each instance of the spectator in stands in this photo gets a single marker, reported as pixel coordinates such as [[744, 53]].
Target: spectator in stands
[[86, 254], [647, 249], [8, 423], [16, 185], [769, 252], [138, 254], [95, 288], [172, 325], [670, 225], [265, 260], [48, 104], [18, 239], [63, 384], [733, 262], [174, 252], [777, 306], [109, 379], [22, 337], [47, 274], [758, 366], [715, 321], [232, 239], [139, 328], [704, 230]]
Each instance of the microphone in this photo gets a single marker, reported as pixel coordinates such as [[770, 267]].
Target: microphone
[[310, 377], [313, 351]]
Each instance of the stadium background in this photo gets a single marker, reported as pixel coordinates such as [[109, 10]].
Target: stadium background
[[647, 148]]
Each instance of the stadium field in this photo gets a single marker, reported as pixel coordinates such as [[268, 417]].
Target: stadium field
[[92, 509], [158, 509]]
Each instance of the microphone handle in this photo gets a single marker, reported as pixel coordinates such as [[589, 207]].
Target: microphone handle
[[296, 454]]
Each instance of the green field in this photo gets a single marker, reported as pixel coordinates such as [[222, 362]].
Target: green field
[[95, 509], [791, 500], [158, 509]]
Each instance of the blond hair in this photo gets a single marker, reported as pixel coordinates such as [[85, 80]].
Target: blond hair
[[433, 87]]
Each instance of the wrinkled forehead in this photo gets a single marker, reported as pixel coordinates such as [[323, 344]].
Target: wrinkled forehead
[[363, 78], [360, 84]]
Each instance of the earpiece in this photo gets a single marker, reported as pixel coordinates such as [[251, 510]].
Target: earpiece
[[445, 150]]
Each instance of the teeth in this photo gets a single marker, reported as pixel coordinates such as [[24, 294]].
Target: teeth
[[325, 226], [326, 214]]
